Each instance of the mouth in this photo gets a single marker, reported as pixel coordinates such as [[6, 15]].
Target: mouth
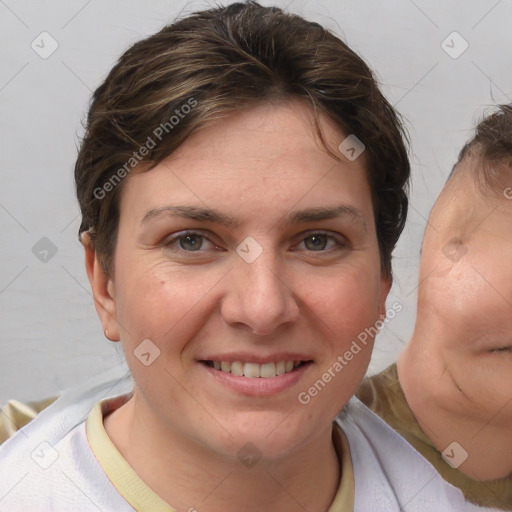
[[268, 370]]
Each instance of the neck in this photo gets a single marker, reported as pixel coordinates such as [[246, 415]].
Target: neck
[[186, 475], [446, 413]]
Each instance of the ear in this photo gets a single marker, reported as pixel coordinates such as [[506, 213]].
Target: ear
[[385, 286], [102, 289]]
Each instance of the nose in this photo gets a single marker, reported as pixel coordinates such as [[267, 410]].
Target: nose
[[258, 297]]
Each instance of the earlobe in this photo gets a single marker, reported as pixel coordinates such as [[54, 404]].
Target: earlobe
[[385, 287], [103, 290]]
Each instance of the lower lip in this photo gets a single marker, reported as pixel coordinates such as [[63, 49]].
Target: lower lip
[[258, 386]]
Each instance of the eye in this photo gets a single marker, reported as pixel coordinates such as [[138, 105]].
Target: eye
[[188, 241], [501, 349], [318, 241], [191, 241]]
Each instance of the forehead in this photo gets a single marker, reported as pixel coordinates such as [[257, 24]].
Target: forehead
[[268, 131], [461, 192], [493, 178], [468, 206], [274, 144]]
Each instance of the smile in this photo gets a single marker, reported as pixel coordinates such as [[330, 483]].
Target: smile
[[255, 370]]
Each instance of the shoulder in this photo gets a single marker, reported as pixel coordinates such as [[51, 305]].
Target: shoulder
[[57, 477], [389, 474], [49, 465], [15, 415]]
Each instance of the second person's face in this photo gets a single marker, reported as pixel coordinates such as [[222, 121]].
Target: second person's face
[[465, 294]]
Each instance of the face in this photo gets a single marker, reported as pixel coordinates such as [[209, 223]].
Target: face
[[466, 294], [249, 250]]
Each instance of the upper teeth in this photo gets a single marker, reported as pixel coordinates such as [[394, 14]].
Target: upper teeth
[[267, 370]]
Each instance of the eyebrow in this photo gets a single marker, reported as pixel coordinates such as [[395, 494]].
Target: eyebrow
[[294, 217]]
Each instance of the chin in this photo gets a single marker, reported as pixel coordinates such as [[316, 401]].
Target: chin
[[263, 438]]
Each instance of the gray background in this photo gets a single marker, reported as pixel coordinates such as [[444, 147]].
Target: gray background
[[50, 335]]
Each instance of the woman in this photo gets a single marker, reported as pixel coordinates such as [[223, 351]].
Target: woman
[[242, 185]]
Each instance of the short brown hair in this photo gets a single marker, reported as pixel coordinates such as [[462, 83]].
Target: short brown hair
[[226, 59], [491, 146]]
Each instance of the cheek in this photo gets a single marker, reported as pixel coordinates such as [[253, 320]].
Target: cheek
[[466, 291], [354, 300], [349, 312], [455, 291], [154, 302], [346, 356], [163, 303], [486, 381]]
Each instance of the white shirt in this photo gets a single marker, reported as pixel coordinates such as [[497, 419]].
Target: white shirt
[[49, 465]]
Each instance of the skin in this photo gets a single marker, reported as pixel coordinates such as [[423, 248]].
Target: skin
[[182, 425], [458, 365]]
